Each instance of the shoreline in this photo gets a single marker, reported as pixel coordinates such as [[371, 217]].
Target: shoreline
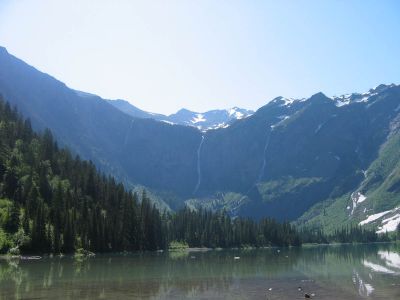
[[35, 256]]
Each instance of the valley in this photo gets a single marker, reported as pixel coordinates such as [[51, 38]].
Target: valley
[[300, 160]]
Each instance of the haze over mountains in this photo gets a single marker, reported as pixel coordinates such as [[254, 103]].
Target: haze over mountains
[[318, 160], [213, 119]]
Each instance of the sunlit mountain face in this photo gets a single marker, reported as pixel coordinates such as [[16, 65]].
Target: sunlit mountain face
[[318, 160], [213, 119]]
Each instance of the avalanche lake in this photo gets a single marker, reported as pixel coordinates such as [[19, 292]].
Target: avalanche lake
[[324, 272]]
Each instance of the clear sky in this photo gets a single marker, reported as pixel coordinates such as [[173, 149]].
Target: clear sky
[[165, 55]]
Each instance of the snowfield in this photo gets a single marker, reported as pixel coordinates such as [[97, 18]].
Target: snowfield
[[387, 224]]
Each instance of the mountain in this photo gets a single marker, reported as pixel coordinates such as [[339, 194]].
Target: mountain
[[213, 119], [300, 152], [375, 202], [52, 202], [134, 150], [133, 111], [293, 159]]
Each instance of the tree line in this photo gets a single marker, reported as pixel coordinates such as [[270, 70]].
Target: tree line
[[53, 201], [345, 234]]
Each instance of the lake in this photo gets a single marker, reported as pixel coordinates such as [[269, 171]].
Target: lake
[[324, 272]]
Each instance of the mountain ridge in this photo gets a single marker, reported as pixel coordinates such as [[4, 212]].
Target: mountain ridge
[[288, 157], [212, 119]]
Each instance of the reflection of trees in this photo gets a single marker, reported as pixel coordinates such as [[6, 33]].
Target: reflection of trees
[[154, 275], [12, 277], [144, 275]]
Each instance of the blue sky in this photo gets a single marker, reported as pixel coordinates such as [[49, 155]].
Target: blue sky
[[201, 55]]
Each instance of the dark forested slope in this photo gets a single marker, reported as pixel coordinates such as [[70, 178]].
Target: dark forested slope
[[53, 202]]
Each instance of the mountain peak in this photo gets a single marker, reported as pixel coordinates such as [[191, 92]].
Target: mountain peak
[[364, 97], [184, 111], [283, 101], [319, 95], [382, 87], [3, 50]]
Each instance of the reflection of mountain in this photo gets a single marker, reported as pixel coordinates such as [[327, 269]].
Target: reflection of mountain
[[390, 263], [330, 272], [365, 270]]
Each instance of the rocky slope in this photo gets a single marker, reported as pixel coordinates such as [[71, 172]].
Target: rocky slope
[[320, 160]]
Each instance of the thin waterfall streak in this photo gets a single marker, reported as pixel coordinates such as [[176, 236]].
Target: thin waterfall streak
[[198, 166], [262, 170]]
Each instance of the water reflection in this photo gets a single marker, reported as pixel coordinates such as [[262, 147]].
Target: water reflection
[[346, 272]]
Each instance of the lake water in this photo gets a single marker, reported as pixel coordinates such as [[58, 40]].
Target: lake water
[[329, 272]]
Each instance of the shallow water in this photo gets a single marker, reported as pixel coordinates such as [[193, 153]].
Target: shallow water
[[329, 272]]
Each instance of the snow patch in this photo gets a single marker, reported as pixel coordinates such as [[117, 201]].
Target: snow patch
[[339, 102], [220, 125], [282, 119], [287, 101], [168, 122], [198, 118], [374, 217], [389, 224], [233, 112], [355, 98], [356, 199]]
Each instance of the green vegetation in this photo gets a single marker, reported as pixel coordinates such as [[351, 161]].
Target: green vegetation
[[272, 190], [52, 202], [330, 215], [229, 202], [347, 234], [204, 228], [177, 246], [381, 187]]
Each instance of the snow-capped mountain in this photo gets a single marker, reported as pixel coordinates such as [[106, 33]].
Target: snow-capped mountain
[[213, 119], [339, 101], [322, 161]]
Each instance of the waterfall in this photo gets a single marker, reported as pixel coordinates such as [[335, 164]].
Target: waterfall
[[198, 166], [262, 170]]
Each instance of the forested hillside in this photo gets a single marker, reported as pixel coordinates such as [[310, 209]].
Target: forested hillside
[[293, 159], [51, 201]]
